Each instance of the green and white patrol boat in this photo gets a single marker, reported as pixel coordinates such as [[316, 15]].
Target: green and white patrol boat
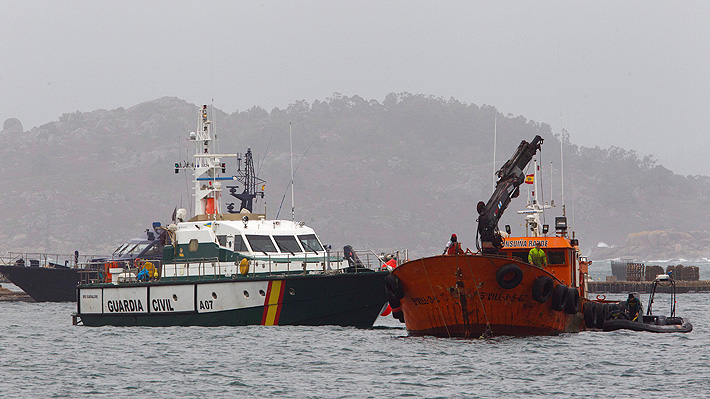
[[235, 268]]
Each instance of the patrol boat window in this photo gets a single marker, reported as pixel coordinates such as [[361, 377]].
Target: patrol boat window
[[120, 249], [287, 244], [310, 242], [261, 243], [133, 251], [239, 244], [153, 251]]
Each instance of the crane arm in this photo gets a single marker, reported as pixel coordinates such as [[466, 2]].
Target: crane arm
[[510, 177]]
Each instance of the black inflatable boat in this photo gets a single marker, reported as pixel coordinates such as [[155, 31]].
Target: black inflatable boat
[[619, 320], [656, 324]]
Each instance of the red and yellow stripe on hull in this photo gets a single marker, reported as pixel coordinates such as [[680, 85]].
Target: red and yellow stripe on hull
[[273, 303]]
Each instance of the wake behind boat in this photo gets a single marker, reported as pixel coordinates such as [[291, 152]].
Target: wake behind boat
[[236, 268]]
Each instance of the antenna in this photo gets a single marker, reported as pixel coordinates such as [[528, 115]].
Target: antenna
[[495, 138], [562, 170], [293, 206], [552, 201]]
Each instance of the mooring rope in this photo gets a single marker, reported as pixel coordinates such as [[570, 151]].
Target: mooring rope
[[436, 299], [489, 330]]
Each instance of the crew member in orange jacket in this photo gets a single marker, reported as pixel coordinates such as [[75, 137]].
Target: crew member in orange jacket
[[453, 247]]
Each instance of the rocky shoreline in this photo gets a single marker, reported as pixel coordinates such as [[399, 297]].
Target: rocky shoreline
[[659, 244]]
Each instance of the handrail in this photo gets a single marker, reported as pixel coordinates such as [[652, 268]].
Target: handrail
[[272, 264], [41, 259]]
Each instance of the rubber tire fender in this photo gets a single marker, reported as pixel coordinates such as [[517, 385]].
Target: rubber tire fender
[[394, 285], [542, 289], [598, 314], [606, 310], [505, 270], [572, 305], [559, 297], [588, 311]]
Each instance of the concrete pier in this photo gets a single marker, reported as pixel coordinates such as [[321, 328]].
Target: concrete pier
[[616, 287]]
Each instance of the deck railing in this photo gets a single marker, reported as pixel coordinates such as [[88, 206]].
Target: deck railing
[[38, 259], [268, 265]]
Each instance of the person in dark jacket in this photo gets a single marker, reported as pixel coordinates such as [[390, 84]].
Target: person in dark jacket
[[633, 306]]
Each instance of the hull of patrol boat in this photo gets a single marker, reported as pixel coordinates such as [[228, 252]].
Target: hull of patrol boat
[[473, 295], [44, 284], [347, 299]]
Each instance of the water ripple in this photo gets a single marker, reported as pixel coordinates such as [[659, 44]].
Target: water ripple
[[43, 355]]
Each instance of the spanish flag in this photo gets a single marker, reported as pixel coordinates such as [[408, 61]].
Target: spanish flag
[[263, 187], [530, 179]]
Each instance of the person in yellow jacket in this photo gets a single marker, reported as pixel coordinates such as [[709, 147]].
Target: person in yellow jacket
[[537, 256]]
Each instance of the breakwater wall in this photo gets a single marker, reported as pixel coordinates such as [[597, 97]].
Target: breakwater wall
[[616, 287]]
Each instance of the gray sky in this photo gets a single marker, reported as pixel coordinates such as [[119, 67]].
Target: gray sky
[[628, 74]]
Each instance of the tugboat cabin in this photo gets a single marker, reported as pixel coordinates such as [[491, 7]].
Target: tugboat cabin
[[561, 255]]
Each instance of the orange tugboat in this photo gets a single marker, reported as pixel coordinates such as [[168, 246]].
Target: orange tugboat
[[495, 291]]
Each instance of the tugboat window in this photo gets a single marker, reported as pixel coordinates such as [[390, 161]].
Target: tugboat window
[[261, 243], [246, 294], [520, 255], [287, 244], [556, 257], [193, 245], [310, 242]]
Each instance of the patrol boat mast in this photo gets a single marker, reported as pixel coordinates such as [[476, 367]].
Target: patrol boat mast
[[207, 167]]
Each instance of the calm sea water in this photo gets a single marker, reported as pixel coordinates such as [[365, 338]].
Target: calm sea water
[[43, 355]]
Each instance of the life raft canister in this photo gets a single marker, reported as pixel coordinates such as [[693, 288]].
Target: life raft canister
[[209, 206]]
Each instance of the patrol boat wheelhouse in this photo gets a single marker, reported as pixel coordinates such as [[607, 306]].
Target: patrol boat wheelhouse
[[236, 268]]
